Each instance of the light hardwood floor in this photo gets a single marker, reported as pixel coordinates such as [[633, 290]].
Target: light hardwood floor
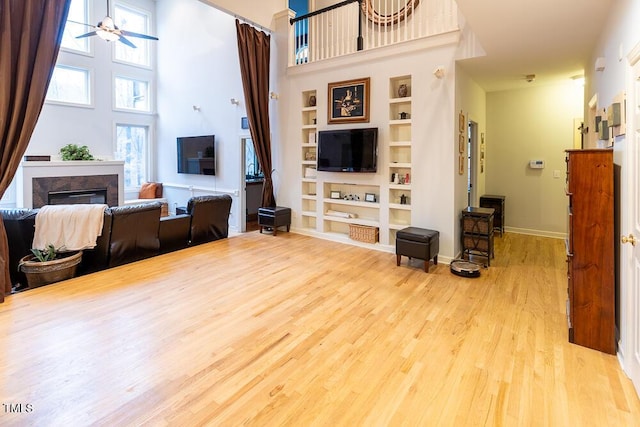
[[292, 330]]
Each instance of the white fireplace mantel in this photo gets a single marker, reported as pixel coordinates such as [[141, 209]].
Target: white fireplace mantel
[[37, 169]]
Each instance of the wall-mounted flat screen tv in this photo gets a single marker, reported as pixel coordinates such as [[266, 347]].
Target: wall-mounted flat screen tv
[[348, 150], [197, 155]]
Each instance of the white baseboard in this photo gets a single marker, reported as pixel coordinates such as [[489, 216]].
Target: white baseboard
[[539, 233]]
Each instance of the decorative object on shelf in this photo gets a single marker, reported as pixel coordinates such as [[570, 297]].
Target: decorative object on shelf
[[352, 197], [403, 90], [388, 12], [349, 101], [310, 155], [403, 199], [403, 115], [407, 178], [336, 195], [74, 152], [312, 137], [310, 172], [315, 121], [49, 265], [369, 197], [312, 101], [341, 214]]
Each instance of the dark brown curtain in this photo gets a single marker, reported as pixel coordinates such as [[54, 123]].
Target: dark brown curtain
[[254, 52], [30, 36]]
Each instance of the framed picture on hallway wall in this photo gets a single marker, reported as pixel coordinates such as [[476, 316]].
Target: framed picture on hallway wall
[[349, 101]]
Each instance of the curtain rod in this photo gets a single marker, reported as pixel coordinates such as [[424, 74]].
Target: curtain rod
[[253, 24]]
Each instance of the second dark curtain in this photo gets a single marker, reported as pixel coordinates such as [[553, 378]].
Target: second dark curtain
[[254, 52], [30, 36]]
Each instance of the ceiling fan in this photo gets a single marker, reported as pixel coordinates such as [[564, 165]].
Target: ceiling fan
[[109, 31]]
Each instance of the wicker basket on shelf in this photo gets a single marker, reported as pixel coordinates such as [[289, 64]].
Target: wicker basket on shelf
[[363, 233]]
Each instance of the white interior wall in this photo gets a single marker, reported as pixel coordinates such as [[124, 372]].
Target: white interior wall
[[432, 123], [618, 38], [198, 66], [472, 101], [524, 125]]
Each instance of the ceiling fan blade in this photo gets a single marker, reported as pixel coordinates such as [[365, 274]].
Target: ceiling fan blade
[[142, 36], [81, 23], [92, 33], [127, 42]]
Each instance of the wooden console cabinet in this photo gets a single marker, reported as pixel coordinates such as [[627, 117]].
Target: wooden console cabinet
[[590, 249]]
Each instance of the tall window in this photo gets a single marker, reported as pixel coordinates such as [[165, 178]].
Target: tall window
[[78, 16], [70, 85], [135, 21], [132, 146], [132, 94]]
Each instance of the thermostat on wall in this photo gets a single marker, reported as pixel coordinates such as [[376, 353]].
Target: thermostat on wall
[[536, 164]]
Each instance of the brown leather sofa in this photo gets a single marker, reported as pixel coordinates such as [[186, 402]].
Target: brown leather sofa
[[129, 233], [206, 220], [209, 218], [20, 227]]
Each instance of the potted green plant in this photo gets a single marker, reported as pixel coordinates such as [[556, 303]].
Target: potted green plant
[[49, 265], [75, 152]]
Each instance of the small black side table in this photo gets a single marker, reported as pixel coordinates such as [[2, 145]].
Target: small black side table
[[497, 203]]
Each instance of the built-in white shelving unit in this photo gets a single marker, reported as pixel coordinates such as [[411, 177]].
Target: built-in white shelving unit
[[308, 160], [400, 141], [331, 201]]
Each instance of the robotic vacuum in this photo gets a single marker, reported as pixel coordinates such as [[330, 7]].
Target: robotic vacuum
[[463, 268]]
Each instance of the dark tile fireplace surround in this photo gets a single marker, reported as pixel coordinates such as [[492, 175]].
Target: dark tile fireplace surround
[[43, 186]]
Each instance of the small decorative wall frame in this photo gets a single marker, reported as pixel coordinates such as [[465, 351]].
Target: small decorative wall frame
[[461, 122], [336, 195], [349, 101]]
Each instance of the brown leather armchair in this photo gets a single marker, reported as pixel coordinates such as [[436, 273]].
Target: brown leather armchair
[[209, 218]]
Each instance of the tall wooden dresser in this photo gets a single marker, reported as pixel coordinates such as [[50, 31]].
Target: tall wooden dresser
[[590, 249]]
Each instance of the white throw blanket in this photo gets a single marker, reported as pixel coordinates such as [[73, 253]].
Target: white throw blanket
[[72, 227]]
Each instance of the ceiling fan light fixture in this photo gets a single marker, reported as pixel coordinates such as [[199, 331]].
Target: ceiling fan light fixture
[[106, 35]]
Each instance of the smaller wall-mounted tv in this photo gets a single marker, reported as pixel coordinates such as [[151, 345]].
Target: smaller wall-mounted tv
[[348, 150], [197, 155]]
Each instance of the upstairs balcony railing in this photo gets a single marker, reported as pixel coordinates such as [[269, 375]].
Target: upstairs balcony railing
[[354, 25]]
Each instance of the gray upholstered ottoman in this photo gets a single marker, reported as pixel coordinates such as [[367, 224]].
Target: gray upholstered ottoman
[[414, 242]]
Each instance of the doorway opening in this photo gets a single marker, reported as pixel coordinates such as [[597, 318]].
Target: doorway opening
[[472, 144], [253, 182]]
